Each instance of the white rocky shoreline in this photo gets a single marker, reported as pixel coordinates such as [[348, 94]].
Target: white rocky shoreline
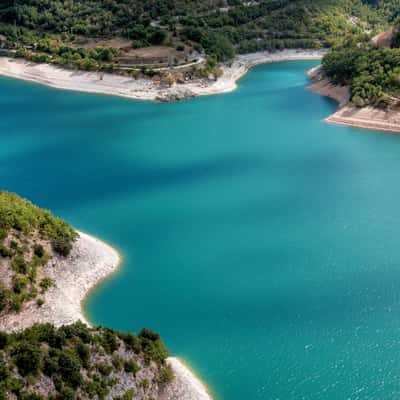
[[90, 261], [371, 118], [146, 89]]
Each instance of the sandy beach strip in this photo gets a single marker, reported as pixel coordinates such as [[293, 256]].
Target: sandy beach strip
[[367, 118], [186, 385], [90, 261], [145, 89]]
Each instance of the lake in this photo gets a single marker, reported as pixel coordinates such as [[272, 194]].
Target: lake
[[262, 243]]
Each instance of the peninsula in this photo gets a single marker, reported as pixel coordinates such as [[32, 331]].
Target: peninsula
[[47, 268], [363, 76]]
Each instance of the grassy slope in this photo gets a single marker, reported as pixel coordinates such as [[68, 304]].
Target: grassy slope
[[29, 237]]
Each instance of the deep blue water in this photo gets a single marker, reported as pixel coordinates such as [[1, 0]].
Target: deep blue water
[[262, 243]]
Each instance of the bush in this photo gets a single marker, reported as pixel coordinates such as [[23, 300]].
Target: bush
[[131, 366], [28, 358], [109, 340], [166, 374], [5, 295], [3, 234], [3, 341], [46, 283], [62, 246], [19, 265], [131, 341], [5, 252], [19, 283], [38, 250], [83, 352], [66, 393], [69, 368]]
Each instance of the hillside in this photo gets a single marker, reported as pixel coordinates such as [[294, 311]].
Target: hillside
[[46, 352], [29, 238], [75, 361], [370, 68], [92, 34]]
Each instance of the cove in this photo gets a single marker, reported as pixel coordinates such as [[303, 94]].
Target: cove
[[262, 243]]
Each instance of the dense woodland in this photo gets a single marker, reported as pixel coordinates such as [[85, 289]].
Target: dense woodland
[[77, 362], [372, 73], [220, 28]]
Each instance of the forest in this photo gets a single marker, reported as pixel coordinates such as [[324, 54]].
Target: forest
[[220, 28], [371, 72]]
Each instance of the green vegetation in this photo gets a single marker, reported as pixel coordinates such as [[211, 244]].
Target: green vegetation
[[29, 236], [45, 30], [372, 73], [75, 361]]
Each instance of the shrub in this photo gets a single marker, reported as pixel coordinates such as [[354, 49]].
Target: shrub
[[30, 396], [131, 366], [38, 250], [3, 369], [16, 301], [166, 374], [129, 394], [62, 246], [4, 296], [19, 265], [46, 283], [104, 369], [83, 353], [69, 368], [19, 283], [66, 393], [131, 342], [3, 234], [28, 358], [148, 334], [3, 341], [50, 365], [5, 252], [109, 340]]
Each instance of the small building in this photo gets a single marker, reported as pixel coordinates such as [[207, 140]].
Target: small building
[[3, 40]]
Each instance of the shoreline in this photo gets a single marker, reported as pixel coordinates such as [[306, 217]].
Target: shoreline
[[370, 118], [145, 89], [91, 261]]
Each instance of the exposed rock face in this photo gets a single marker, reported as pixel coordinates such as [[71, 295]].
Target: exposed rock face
[[324, 87], [171, 96], [384, 39]]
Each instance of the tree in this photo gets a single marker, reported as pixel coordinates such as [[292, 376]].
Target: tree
[[28, 358]]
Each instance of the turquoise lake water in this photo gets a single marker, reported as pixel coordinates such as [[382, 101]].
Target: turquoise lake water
[[262, 243]]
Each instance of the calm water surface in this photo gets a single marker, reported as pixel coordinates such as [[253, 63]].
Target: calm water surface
[[260, 242]]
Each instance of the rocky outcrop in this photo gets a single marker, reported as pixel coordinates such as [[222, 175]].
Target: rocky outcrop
[[324, 87], [170, 96]]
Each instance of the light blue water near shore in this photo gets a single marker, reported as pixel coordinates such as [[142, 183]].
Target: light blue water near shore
[[260, 242]]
